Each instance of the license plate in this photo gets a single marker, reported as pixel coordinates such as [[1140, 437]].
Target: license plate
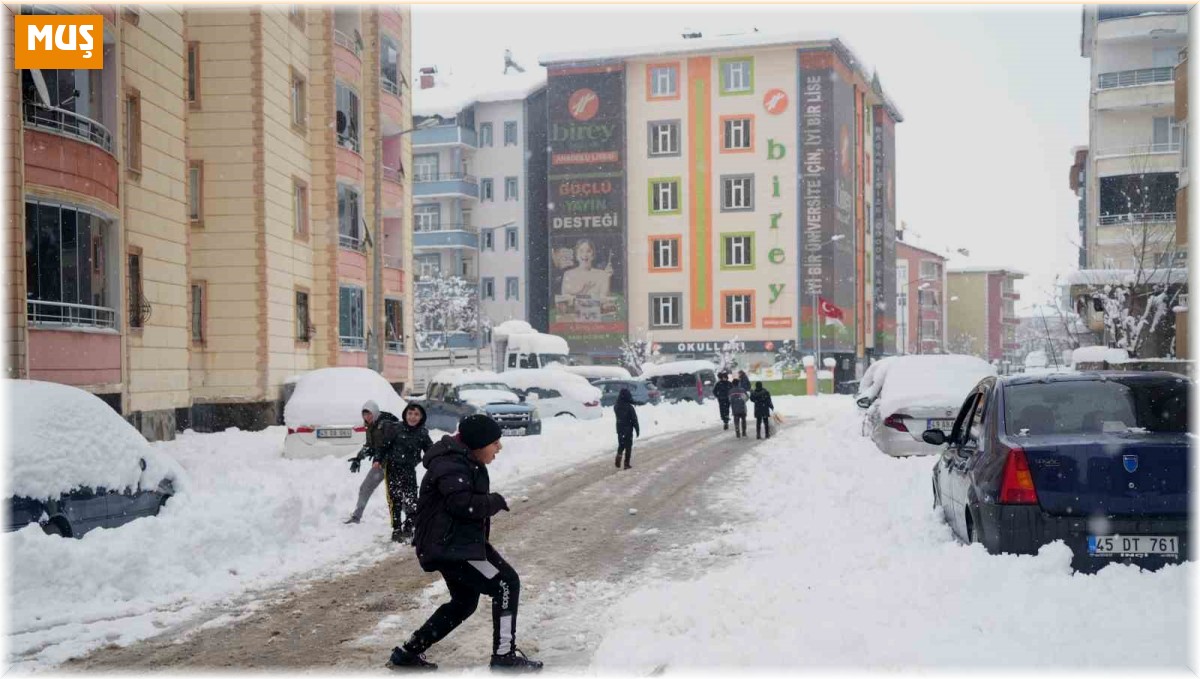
[[334, 433], [943, 425], [515, 431], [1133, 545]]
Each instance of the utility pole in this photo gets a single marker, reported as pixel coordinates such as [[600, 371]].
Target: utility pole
[[375, 355]]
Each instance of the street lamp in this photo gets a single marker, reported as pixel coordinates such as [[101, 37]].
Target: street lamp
[[816, 312], [920, 334]]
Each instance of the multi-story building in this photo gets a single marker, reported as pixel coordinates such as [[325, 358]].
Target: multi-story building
[[1181, 199], [232, 189], [1078, 184], [1134, 139], [920, 300], [982, 321], [718, 189]]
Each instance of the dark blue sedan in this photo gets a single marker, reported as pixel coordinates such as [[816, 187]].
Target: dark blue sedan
[[1099, 460]]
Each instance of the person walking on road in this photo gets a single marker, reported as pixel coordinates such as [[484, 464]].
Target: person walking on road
[[744, 380], [453, 526], [381, 434], [737, 405], [762, 410], [627, 424], [400, 470], [721, 393]]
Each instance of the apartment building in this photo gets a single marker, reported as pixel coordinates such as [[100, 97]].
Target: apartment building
[[1078, 183], [674, 208], [1181, 199], [982, 321], [1134, 138], [234, 182], [921, 299]]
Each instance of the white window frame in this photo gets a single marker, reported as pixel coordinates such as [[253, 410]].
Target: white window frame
[[666, 253], [737, 134], [738, 250], [510, 126], [486, 189], [511, 241], [665, 198], [665, 311], [735, 306], [511, 189], [664, 81], [664, 138], [737, 193], [512, 287], [487, 288], [485, 134], [426, 167], [740, 69]]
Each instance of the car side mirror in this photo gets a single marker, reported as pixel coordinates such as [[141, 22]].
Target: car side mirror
[[864, 402], [934, 437]]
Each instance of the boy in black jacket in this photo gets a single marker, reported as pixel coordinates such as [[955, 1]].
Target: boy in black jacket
[[762, 410], [400, 470], [721, 392], [627, 424]]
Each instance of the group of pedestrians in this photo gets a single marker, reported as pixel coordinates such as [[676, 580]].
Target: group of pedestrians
[[731, 400]]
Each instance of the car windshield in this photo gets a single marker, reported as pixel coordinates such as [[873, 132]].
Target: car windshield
[[676, 381], [477, 386], [547, 359], [1096, 406]]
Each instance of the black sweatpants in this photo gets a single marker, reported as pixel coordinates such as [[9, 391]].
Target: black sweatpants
[[762, 422], [401, 483], [466, 580], [739, 424], [723, 406], [624, 445]]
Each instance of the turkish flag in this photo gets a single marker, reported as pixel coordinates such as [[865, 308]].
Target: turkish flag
[[831, 312]]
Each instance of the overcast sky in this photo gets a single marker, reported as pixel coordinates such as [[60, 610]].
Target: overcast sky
[[994, 98]]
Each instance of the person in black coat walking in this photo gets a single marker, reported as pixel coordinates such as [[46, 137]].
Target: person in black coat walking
[[627, 424], [400, 470], [453, 527], [721, 392], [762, 410], [737, 404], [744, 380]]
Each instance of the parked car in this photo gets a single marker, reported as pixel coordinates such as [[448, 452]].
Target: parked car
[[595, 373], [324, 413], [682, 380], [77, 465], [455, 393], [643, 392], [906, 395], [1099, 460], [555, 393]]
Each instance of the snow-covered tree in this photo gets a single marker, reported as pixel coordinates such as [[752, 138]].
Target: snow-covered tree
[[725, 358], [637, 352], [445, 306], [788, 357]]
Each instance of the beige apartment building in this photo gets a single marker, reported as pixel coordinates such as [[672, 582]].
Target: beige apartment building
[[982, 318], [220, 208]]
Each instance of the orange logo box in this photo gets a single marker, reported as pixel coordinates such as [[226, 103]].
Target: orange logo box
[[51, 41], [777, 321]]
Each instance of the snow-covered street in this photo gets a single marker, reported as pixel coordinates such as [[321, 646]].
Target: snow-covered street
[[813, 550]]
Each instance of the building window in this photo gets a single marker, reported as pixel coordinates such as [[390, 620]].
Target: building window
[[1165, 135], [193, 75], [663, 81], [198, 312], [664, 254], [389, 65], [929, 330], [303, 325], [349, 223], [737, 193], [65, 265], [485, 189], [347, 123], [425, 167], [737, 250], [928, 299], [736, 134], [489, 239], [664, 195], [466, 219], [739, 307], [133, 131], [300, 207], [737, 75], [512, 289], [134, 281], [394, 313], [299, 101], [664, 138], [510, 188], [485, 134], [351, 334], [931, 270], [427, 217], [428, 266], [510, 133], [665, 311], [196, 192], [487, 288], [510, 239]]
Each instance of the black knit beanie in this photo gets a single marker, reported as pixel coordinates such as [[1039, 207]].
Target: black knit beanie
[[478, 431]]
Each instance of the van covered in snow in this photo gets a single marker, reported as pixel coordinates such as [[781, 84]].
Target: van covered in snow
[[516, 345], [682, 380]]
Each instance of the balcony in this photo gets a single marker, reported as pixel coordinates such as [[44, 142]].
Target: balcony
[[352, 43], [350, 242], [445, 135], [69, 124], [1141, 76], [454, 184], [1144, 87], [448, 236], [64, 315], [1137, 218], [388, 86], [349, 343], [1009, 320]]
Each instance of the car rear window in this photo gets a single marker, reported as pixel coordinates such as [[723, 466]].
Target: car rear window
[[1096, 406], [676, 381]]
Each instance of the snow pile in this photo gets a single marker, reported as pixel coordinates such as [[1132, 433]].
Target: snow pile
[[1098, 354], [594, 372], [512, 327], [65, 438], [571, 386], [872, 379], [483, 396], [936, 380], [1036, 359], [456, 377], [337, 395], [538, 343], [677, 368]]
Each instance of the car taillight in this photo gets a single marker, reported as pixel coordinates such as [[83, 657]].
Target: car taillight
[[896, 422], [360, 429], [300, 430], [1016, 488]]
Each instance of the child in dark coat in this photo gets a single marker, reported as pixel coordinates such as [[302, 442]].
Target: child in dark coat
[[627, 424], [737, 405], [762, 410]]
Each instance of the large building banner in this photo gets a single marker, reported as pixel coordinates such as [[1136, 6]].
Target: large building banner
[[884, 218], [816, 197], [586, 207]]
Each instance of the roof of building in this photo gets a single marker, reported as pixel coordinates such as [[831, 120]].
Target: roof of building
[[447, 97], [1125, 276], [912, 246], [968, 269]]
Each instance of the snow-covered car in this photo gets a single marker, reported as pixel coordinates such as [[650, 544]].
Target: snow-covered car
[[78, 465], [642, 391], [595, 373], [324, 414], [455, 393], [555, 393], [906, 395], [682, 380]]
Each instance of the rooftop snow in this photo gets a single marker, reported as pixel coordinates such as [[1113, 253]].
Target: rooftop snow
[[1098, 354], [677, 368], [447, 98], [983, 268], [1124, 276]]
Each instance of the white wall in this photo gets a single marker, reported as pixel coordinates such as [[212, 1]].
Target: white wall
[[498, 162]]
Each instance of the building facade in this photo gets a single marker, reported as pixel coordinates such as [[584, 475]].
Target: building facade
[[1078, 183], [982, 319], [1181, 199], [921, 300]]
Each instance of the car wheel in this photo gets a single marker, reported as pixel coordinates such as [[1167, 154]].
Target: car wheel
[[972, 538], [570, 415], [53, 528]]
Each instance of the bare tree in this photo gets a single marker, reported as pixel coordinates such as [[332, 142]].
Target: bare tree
[[445, 306]]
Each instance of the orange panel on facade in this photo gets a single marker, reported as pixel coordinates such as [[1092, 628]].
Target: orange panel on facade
[[393, 280], [351, 266], [75, 358], [347, 64], [353, 359], [60, 162], [350, 165]]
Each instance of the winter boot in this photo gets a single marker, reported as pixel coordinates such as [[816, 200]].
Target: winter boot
[[353, 519], [618, 462], [407, 660], [727, 426], [515, 661], [398, 535]]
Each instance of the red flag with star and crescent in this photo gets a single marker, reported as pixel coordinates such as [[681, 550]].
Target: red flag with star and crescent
[[832, 312]]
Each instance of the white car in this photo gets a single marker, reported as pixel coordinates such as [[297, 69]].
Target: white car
[[324, 414], [555, 392], [906, 395]]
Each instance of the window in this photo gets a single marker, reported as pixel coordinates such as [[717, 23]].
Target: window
[[664, 138], [485, 134], [665, 311], [134, 281], [737, 250], [427, 217], [487, 288], [351, 333], [736, 134], [425, 167], [389, 64], [195, 196], [929, 330], [300, 207], [303, 326], [133, 131], [510, 239], [739, 308], [65, 264], [664, 253], [428, 266], [489, 239], [394, 317], [931, 269], [663, 81], [466, 219], [193, 75], [485, 189], [198, 312], [664, 196], [512, 288], [510, 188], [737, 193], [299, 101], [349, 223], [510, 133], [737, 75], [347, 123], [929, 299], [1165, 134]]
